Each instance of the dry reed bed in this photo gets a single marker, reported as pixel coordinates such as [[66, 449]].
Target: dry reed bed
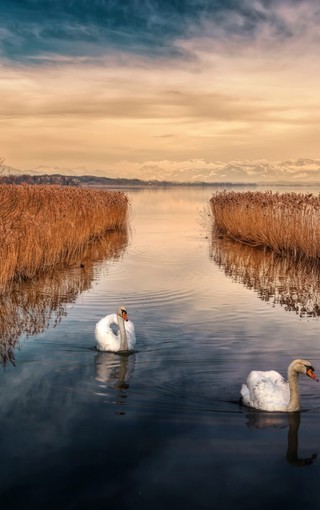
[[287, 223], [42, 226]]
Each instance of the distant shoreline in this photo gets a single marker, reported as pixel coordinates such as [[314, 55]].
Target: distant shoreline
[[123, 183], [95, 181]]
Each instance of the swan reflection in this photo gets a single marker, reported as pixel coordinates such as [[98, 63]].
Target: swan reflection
[[259, 420], [114, 371], [30, 307], [293, 285]]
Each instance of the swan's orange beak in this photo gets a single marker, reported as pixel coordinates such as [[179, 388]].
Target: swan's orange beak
[[125, 316], [311, 374]]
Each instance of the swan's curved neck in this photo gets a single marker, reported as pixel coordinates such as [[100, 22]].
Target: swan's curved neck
[[294, 402], [123, 334]]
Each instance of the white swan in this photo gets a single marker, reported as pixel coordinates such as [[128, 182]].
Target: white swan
[[269, 391], [123, 341]]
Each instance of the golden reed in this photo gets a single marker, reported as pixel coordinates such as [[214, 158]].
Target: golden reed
[[287, 223], [42, 226]]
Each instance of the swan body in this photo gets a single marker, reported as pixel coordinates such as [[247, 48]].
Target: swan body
[[269, 391], [122, 341]]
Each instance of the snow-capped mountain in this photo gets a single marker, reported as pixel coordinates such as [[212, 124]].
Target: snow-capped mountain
[[259, 171]]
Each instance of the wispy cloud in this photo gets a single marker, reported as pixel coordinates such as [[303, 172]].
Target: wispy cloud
[[106, 81], [150, 27]]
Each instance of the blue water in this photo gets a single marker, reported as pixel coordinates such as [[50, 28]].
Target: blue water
[[164, 427]]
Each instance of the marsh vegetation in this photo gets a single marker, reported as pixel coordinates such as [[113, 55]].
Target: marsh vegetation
[[44, 226], [286, 223]]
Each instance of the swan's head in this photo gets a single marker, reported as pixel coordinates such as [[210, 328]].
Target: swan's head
[[310, 372], [122, 312], [303, 366]]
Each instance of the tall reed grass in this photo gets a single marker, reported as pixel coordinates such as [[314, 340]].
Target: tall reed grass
[[287, 223], [43, 226]]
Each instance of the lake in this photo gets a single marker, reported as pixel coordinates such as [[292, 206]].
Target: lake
[[162, 428]]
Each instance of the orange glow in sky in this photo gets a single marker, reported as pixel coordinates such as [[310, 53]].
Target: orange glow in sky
[[218, 92]]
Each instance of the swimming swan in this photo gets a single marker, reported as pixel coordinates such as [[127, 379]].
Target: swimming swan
[[107, 340], [269, 391]]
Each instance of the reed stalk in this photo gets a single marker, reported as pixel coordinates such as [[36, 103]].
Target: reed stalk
[[43, 226], [287, 223]]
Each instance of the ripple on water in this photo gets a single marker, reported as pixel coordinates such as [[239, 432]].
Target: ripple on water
[[139, 305], [147, 384], [172, 382]]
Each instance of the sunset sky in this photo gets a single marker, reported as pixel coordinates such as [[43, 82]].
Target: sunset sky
[[126, 86]]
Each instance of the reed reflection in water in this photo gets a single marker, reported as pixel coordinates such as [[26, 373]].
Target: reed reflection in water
[[279, 280], [30, 307]]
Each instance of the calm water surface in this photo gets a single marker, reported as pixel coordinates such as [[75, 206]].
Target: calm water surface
[[163, 427]]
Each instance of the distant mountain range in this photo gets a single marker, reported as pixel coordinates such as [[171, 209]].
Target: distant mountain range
[[196, 171]]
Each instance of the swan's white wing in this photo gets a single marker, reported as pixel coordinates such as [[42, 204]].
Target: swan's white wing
[[106, 339], [267, 391]]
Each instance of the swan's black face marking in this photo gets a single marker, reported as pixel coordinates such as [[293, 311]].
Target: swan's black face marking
[[309, 367], [124, 314], [310, 372]]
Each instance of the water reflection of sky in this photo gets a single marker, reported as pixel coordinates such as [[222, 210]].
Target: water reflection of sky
[[84, 430]]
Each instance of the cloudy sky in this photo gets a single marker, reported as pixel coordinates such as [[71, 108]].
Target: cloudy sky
[[129, 86]]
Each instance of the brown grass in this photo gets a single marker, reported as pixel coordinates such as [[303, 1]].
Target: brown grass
[[43, 226], [287, 223]]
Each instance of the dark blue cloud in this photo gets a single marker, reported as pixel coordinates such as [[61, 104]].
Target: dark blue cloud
[[33, 28], [38, 26]]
